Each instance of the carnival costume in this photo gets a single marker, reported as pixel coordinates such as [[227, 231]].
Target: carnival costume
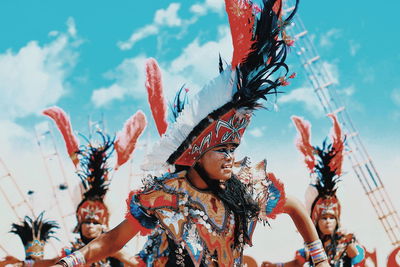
[[325, 166], [192, 227], [34, 234], [92, 162]]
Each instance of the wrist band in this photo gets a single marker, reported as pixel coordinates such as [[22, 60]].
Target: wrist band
[[279, 264], [316, 251], [28, 263], [74, 259]]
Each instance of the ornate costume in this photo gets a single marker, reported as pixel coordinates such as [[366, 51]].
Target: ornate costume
[[189, 226], [325, 166], [192, 227], [34, 234]]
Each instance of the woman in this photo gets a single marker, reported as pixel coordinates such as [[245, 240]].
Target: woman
[[325, 165], [204, 211]]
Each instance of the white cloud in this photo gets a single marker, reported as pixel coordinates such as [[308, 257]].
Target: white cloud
[[189, 68], [348, 91], [208, 5], [128, 80], [34, 77], [305, 96], [140, 34], [332, 72], [168, 16], [163, 17], [326, 39], [354, 47], [200, 61], [396, 96], [256, 132]]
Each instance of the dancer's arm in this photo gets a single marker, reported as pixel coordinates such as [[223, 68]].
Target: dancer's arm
[[125, 258], [108, 243], [302, 220]]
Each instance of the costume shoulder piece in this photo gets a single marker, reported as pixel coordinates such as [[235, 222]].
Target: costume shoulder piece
[[266, 189]]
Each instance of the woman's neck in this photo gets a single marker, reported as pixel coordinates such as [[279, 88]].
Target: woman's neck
[[195, 179]]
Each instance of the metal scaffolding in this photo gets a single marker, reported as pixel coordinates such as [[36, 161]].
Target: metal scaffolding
[[61, 189], [330, 100]]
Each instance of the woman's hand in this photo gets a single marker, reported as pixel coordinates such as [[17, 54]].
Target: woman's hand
[[10, 260]]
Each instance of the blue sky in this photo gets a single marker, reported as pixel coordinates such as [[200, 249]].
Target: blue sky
[[88, 58]]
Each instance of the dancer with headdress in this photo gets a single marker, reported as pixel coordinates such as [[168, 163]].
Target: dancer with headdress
[[92, 162], [325, 166], [34, 234], [199, 213]]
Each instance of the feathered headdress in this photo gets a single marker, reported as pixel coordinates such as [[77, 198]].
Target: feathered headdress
[[34, 234], [94, 172], [93, 159], [325, 163], [221, 111]]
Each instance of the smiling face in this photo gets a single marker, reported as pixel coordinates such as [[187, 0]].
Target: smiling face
[[218, 162], [327, 224]]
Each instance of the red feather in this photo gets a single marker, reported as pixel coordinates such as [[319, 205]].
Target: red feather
[[125, 141], [303, 141], [241, 20], [280, 206], [64, 125], [156, 95], [337, 145], [277, 8]]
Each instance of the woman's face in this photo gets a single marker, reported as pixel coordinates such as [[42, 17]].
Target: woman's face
[[327, 224], [218, 162], [91, 229]]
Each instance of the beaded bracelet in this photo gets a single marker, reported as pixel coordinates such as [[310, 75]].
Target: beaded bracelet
[[28, 263], [316, 251], [74, 259]]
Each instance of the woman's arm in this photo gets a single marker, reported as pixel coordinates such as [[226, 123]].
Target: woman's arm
[[108, 243], [126, 259], [302, 220]]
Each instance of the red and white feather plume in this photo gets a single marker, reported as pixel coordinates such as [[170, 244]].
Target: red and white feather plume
[[241, 20], [156, 96], [64, 125], [303, 141], [126, 140], [337, 145]]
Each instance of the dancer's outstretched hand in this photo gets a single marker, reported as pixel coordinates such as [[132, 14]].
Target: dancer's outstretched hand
[[9, 260]]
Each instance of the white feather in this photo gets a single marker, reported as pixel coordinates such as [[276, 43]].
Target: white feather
[[211, 97]]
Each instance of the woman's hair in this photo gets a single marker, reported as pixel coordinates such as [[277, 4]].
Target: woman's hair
[[236, 198]]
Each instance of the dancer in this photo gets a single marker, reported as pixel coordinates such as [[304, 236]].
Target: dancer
[[201, 213], [325, 166], [92, 213]]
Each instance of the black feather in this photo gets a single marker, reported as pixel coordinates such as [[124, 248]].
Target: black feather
[[35, 229], [94, 168], [327, 179], [178, 104]]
